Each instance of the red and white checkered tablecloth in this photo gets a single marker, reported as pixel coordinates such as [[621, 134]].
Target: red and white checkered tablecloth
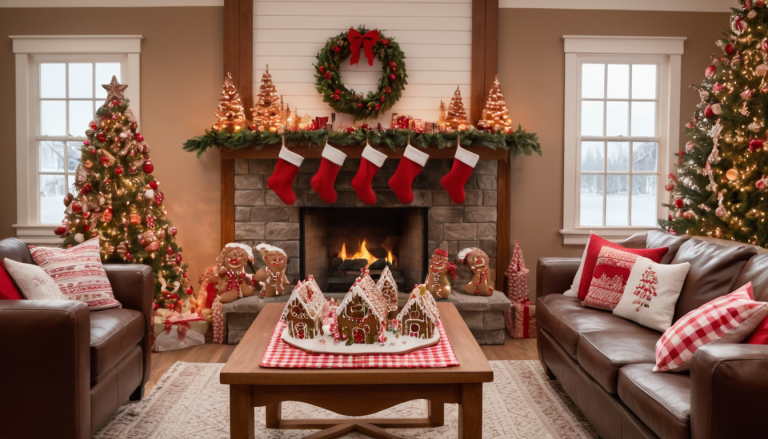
[[281, 354]]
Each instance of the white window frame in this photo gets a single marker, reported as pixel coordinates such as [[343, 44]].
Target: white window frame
[[30, 50], [621, 50]]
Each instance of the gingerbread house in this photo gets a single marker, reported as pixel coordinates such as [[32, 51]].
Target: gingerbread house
[[419, 316], [388, 289], [304, 311], [362, 315]]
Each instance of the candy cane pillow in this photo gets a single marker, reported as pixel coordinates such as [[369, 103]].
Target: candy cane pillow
[[78, 273], [727, 319]]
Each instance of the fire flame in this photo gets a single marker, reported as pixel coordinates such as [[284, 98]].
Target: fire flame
[[363, 253]]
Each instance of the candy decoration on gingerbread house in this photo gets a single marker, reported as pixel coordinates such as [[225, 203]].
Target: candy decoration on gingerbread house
[[419, 316], [362, 315], [303, 313], [388, 288]]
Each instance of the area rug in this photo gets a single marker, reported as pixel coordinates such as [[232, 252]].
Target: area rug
[[189, 402]]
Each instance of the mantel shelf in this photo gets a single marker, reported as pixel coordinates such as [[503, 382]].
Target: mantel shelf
[[355, 152]]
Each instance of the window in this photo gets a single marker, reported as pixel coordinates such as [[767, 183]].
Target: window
[[621, 116], [58, 89]]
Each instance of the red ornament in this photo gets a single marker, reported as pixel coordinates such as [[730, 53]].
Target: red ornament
[[127, 255], [170, 250], [392, 76], [60, 231], [338, 92], [679, 203], [710, 71], [86, 188], [93, 125], [107, 216], [729, 49], [115, 102], [253, 127], [669, 187], [134, 218], [148, 167], [336, 97], [388, 90], [104, 160], [190, 291], [321, 69], [173, 296], [392, 64], [101, 137], [93, 151], [377, 107], [86, 142], [153, 184], [138, 137], [119, 170], [178, 258], [185, 273], [77, 207], [384, 41], [68, 199], [107, 181], [383, 98], [709, 113], [173, 231], [394, 69], [86, 228], [336, 49], [360, 105], [327, 76], [159, 198], [155, 306]]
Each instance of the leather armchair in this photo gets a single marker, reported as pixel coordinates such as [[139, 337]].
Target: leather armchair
[[65, 369]]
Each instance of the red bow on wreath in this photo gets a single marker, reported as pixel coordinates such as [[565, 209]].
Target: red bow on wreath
[[356, 39]]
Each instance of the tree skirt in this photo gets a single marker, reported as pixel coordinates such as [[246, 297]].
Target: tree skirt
[[189, 402]]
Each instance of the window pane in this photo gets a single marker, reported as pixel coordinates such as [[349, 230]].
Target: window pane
[[81, 80], [618, 81], [53, 80], [644, 156], [52, 190], [643, 118], [591, 202], [617, 118], [592, 80], [617, 200], [643, 200], [51, 156], [53, 118], [104, 73], [618, 156], [74, 150], [591, 156], [80, 115], [644, 81], [591, 118]]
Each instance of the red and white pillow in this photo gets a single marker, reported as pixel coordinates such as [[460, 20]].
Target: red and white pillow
[[33, 282], [583, 279], [609, 278], [727, 319], [651, 293], [8, 290], [78, 273]]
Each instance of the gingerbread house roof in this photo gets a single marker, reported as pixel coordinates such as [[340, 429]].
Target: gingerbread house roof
[[386, 279], [424, 299], [366, 288], [309, 295]]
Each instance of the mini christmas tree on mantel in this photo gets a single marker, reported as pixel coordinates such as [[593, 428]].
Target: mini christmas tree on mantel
[[457, 116], [267, 114], [495, 114], [230, 113]]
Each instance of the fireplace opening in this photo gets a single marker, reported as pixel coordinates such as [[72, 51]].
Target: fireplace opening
[[336, 243]]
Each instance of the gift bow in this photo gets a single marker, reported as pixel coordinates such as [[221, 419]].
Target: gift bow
[[175, 319], [356, 39]]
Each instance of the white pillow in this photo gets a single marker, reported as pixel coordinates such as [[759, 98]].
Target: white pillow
[[33, 282], [651, 293], [574, 291]]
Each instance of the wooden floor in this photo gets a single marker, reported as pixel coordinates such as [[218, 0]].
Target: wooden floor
[[512, 349]]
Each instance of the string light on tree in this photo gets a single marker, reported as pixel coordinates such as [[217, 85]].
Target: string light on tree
[[267, 114], [230, 113], [456, 119], [495, 114]]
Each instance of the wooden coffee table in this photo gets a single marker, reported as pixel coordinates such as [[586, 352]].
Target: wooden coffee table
[[355, 392]]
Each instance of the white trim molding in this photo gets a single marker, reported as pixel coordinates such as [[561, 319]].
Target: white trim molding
[[622, 48], [613, 5], [29, 50]]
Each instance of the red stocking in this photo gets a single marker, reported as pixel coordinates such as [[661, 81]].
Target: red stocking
[[411, 164], [323, 181], [453, 182], [369, 166], [286, 169]]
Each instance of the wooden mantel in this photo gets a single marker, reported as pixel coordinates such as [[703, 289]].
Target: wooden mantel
[[355, 152]]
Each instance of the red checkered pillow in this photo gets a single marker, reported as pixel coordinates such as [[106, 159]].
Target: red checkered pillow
[[728, 319], [78, 273]]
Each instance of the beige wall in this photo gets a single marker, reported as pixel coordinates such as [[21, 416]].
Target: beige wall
[[532, 72], [181, 75]]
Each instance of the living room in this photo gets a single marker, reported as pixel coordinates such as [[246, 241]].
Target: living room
[[444, 218]]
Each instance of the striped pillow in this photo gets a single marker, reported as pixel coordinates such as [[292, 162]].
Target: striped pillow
[[78, 273]]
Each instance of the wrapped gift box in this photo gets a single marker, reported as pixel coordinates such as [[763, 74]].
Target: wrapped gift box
[[524, 320]]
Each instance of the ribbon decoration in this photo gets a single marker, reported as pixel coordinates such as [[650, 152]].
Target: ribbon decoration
[[356, 39]]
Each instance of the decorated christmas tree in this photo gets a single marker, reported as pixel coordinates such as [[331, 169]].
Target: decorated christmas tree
[[267, 114], [457, 116], [230, 112], [646, 289], [722, 179], [118, 199], [495, 114]]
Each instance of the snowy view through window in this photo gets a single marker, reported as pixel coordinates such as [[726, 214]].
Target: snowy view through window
[[619, 145]]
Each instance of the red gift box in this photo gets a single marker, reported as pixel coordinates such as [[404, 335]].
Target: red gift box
[[524, 320]]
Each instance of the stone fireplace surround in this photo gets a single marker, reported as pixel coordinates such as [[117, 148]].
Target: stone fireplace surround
[[260, 216]]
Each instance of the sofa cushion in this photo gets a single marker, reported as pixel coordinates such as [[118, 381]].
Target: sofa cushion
[[755, 271], [661, 400], [658, 238], [113, 333], [713, 272], [565, 318], [602, 354]]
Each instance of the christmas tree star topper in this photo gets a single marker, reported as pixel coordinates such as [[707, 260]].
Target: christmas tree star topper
[[114, 90]]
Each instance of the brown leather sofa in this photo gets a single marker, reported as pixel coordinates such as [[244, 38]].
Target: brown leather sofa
[[605, 362], [65, 370]]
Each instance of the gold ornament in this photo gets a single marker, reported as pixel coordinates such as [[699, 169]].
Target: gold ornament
[[267, 113], [230, 112], [732, 174]]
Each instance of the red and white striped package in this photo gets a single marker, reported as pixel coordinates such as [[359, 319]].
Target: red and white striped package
[[281, 354], [78, 273]]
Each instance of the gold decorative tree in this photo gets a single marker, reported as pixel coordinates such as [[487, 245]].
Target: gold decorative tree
[[495, 114], [267, 114], [457, 116], [230, 112]]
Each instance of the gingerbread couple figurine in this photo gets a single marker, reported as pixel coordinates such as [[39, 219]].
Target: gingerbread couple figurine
[[440, 273], [479, 262], [272, 276], [233, 282]]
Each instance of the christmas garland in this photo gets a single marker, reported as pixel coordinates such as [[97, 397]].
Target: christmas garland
[[517, 142], [350, 43]]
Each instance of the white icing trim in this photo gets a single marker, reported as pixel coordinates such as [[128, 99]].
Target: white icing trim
[[466, 157], [464, 252], [333, 155], [290, 157], [415, 155], [271, 248], [247, 248], [375, 157]]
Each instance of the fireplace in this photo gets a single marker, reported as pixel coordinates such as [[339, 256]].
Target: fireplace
[[338, 242]]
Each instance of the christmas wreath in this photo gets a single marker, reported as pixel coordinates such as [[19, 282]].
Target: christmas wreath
[[349, 44]]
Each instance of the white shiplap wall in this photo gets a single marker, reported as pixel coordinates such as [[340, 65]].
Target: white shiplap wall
[[436, 36]]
